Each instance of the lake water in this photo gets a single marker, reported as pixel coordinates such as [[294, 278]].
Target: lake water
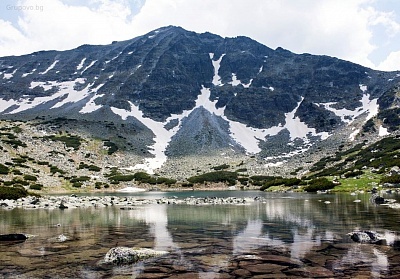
[[288, 236]]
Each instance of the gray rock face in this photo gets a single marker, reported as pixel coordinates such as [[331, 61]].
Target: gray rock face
[[202, 133], [126, 255]]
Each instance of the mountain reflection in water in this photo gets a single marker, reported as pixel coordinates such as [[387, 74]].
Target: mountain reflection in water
[[294, 235]]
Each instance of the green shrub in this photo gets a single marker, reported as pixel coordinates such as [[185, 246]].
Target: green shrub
[[221, 167], [393, 179], [36, 187], [12, 193], [120, 177], [77, 184], [79, 179], [15, 143], [260, 180], [94, 168], [241, 170], [18, 160], [319, 184], [89, 167], [166, 181], [217, 176], [29, 177], [142, 176], [187, 185], [281, 181], [353, 173], [4, 169], [19, 181], [68, 140], [16, 172], [112, 147], [54, 170]]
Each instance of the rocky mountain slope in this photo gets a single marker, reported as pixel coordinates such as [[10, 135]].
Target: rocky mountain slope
[[174, 101]]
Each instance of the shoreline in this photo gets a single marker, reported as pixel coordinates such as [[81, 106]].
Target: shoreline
[[150, 188]]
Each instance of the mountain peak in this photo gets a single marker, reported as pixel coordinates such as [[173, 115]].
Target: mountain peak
[[255, 100]]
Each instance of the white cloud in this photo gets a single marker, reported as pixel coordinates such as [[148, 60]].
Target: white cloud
[[336, 28], [10, 38], [60, 26], [391, 63]]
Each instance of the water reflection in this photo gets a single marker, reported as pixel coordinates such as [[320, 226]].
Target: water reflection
[[203, 239], [157, 218]]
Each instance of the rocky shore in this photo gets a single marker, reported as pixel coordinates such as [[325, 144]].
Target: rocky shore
[[124, 203]]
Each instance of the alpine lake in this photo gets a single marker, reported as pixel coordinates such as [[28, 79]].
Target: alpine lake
[[281, 235]]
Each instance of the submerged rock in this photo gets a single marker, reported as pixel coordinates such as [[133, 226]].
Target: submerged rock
[[13, 237], [366, 237], [126, 255], [377, 199]]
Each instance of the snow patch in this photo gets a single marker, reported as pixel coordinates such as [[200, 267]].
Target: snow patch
[[216, 64], [65, 88], [383, 131], [353, 135], [91, 105], [73, 96], [277, 164], [347, 116], [5, 104], [236, 82], [47, 85], [131, 189], [269, 88], [50, 67], [298, 129], [26, 74], [9, 75], [90, 65], [80, 66], [363, 88]]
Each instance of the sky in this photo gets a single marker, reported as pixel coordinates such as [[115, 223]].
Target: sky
[[365, 32]]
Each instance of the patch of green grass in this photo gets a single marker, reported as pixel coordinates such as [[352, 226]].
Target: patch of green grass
[[365, 182]]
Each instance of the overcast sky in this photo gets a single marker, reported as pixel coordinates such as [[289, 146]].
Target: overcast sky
[[366, 32]]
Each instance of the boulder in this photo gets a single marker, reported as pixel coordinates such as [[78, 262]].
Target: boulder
[[127, 255], [366, 237]]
